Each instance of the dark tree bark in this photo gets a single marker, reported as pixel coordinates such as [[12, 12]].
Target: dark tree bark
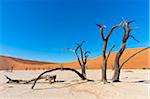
[[104, 57], [13, 80], [127, 33], [46, 77], [10, 80], [82, 58], [69, 69], [117, 65]]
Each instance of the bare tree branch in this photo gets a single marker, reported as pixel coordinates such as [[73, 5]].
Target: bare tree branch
[[133, 56], [48, 71], [110, 52], [75, 52], [127, 30], [134, 38], [78, 58], [100, 26], [129, 22], [81, 60], [81, 52], [80, 44], [112, 29], [124, 28], [46, 77], [101, 31], [86, 56]]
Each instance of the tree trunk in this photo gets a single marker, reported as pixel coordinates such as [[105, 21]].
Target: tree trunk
[[116, 75], [84, 73], [116, 63], [83, 70], [105, 40], [103, 68], [104, 65]]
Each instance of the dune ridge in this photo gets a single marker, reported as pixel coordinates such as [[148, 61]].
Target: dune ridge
[[140, 61]]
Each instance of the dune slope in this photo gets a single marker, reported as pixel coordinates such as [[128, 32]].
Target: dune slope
[[139, 61]]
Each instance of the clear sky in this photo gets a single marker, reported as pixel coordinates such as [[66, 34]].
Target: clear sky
[[41, 29]]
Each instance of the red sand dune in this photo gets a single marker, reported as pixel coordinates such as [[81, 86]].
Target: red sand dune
[[139, 61]]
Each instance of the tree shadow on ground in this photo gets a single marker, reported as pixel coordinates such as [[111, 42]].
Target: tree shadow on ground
[[63, 86], [142, 81], [138, 81]]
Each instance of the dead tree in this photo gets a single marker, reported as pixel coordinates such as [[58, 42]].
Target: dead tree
[[104, 57], [68, 69], [127, 33], [50, 78], [82, 58], [12, 68]]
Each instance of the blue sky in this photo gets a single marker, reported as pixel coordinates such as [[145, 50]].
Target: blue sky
[[41, 29]]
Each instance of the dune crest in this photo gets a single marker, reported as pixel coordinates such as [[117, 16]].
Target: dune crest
[[140, 61]]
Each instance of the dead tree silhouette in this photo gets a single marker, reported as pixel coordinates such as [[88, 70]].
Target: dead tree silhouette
[[127, 33], [84, 55], [104, 57], [68, 69], [47, 77]]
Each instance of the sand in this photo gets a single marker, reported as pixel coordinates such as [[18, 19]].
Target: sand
[[140, 61], [135, 85]]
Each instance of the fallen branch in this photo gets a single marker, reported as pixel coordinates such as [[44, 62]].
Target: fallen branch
[[47, 77], [69, 69], [13, 80]]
